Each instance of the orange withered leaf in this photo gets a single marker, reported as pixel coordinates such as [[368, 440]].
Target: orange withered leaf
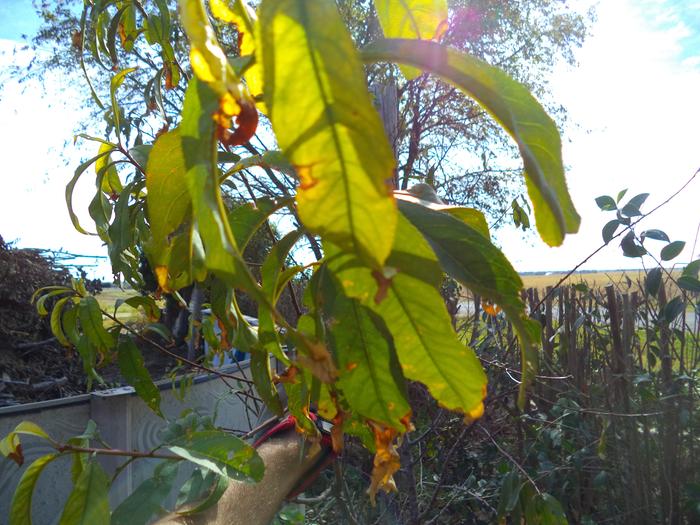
[[386, 460]]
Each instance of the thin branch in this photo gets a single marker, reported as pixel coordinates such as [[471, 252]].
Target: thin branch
[[624, 230], [510, 458]]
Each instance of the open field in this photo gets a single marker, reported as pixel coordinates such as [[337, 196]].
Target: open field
[[107, 298], [594, 280]]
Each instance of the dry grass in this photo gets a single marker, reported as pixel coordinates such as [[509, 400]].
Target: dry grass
[[126, 314], [624, 280]]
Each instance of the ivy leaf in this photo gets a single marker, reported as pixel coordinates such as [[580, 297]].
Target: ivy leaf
[[326, 125], [512, 105], [221, 452], [88, 503], [672, 250]]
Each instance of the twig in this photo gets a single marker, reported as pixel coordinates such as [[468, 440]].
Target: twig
[[65, 447], [443, 471], [174, 355], [510, 458], [627, 228]]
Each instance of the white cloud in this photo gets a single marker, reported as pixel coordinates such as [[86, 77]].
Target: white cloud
[[33, 138], [636, 101]]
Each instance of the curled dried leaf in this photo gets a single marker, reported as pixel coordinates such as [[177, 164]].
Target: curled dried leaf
[[386, 460]]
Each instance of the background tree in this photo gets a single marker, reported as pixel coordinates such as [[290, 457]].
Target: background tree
[[439, 139]]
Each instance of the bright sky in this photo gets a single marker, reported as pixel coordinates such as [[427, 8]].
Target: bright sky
[[634, 98]]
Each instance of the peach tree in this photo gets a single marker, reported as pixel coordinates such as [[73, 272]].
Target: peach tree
[[373, 314]]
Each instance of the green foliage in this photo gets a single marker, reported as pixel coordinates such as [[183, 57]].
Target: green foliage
[[376, 316]]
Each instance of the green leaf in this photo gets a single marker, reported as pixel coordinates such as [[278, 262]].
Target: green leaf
[[147, 303], [630, 246], [657, 235], [415, 314], [223, 453], [267, 331], [261, 372], [41, 301], [71, 186], [21, 506], [111, 184], [609, 230], [32, 429], [415, 19], [168, 198], [370, 375], [216, 489], [620, 195], [631, 209], [140, 154], [247, 218], [148, 498], [121, 231], [653, 281], [473, 260], [134, 371], [512, 105], [672, 250], [470, 216], [199, 150], [606, 203], [115, 83], [169, 211], [88, 503], [274, 160], [326, 125], [692, 284], [91, 322], [56, 325], [672, 309], [692, 269]]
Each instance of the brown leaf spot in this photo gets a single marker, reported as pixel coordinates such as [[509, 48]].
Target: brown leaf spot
[[122, 34], [351, 366], [306, 179], [168, 76], [288, 376]]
